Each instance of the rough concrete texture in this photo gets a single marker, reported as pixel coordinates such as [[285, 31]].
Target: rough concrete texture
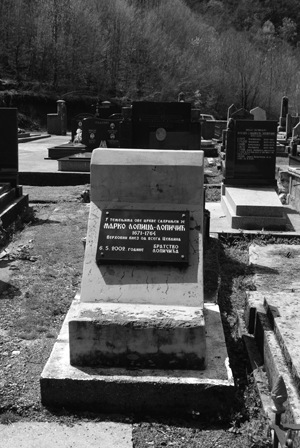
[[141, 391], [141, 336], [54, 435]]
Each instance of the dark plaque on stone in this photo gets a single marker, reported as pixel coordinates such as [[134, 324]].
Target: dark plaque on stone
[[143, 236], [98, 130], [251, 154]]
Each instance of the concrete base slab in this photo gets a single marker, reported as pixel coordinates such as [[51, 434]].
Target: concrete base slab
[[77, 162], [137, 390], [138, 336], [49, 435], [254, 201], [251, 222], [65, 150], [253, 208], [220, 224]]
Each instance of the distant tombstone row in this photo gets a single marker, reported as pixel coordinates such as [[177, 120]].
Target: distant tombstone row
[[161, 125]]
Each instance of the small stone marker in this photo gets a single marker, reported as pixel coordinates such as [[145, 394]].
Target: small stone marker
[[259, 114]]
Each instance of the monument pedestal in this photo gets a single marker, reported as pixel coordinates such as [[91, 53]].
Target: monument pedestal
[[253, 208], [140, 339], [138, 336]]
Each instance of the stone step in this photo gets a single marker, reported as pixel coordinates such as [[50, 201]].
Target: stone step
[[6, 198], [135, 390], [252, 222], [13, 210], [138, 336], [254, 201]]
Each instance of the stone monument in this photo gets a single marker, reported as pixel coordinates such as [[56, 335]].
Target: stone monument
[[248, 197], [140, 338], [12, 200]]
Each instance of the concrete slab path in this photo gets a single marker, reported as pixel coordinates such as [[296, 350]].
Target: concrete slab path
[[55, 435]]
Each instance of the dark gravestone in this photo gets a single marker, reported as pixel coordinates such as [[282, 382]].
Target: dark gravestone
[[250, 153], [96, 131], [207, 129], [77, 122], [9, 146], [284, 109], [164, 126]]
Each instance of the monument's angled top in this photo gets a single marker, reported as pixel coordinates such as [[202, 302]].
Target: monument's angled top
[[121, 156]]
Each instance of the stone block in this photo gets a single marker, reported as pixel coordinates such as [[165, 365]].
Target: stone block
[[138, 336]]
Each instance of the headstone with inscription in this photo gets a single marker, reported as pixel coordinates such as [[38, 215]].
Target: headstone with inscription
[[142, 285], [97, 130], [249, 199], [251, 153]]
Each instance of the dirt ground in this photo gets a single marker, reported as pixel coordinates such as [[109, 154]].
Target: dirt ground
[[41, 268]]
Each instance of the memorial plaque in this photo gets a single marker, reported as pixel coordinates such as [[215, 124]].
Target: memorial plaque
[[147, 236]]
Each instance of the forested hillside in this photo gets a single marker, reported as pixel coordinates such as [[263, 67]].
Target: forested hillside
[[217, 52]]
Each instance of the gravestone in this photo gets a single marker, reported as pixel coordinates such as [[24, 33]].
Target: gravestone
[[259, 114], [77, 122], [140, 337], [251, 153], [249, 199], [284, 109], [9, 159], [97, 130], [12, 200], [164, 125], [143, 257], [57, 123]]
